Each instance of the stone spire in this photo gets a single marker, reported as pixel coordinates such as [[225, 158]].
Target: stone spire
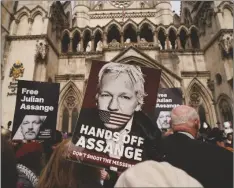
[[164, 12], [81, 10]]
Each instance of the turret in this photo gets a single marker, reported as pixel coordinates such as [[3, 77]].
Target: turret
[[81, 10], [164, 14]]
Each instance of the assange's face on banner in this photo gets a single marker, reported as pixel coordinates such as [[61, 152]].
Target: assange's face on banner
[[164, 119], [117, 94], [30, 126]]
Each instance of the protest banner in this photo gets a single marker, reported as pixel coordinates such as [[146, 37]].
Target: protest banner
[[168, 98], [113, 128], [36, 110]]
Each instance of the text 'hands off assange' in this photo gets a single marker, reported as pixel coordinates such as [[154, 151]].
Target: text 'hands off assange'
[[106, 147]]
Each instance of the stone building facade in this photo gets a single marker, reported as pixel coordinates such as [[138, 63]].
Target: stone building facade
[[55, 42]]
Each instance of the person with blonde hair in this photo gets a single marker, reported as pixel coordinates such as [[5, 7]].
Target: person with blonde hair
[[62, 173]]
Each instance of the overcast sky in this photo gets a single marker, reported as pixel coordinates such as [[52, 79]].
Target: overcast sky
[[176, 6]]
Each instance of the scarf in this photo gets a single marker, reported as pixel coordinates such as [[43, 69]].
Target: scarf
[[28, 173]]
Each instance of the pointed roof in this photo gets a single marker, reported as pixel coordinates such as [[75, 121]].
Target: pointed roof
[[132, 53]]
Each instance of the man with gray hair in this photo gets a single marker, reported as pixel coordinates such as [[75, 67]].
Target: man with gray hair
[[120, 90], [209, 164], [29, 127]]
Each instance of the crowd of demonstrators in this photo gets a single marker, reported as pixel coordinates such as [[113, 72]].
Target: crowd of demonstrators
[[210, 135], [185, 157], [218, 137]]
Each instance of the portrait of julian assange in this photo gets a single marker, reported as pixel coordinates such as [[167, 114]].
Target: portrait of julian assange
[[29, 128], [163, 120], [113, 120]]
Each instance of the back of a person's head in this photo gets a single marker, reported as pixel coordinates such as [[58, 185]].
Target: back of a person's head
[[9, 173], [60, 172], [185, 117], [30, 155], [155, 174]]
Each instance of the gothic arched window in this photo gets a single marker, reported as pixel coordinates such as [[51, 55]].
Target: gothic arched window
[[23, 26], [162, 38], [75, 41], [97, 38], [172, 38], [65, 43], [146, 32], [113, 34], [87, 41], [183, 38], [130, 33], [70, 110], [194, 39]]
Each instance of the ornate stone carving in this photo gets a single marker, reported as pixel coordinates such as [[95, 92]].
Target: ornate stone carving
[[17, 70], [114, 44], [194, 99], [71, 99], [41, 50], [226, 43], [143, 42], [58, 18], [119, 15], [121, 3], [204, 17], [191, 2]]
